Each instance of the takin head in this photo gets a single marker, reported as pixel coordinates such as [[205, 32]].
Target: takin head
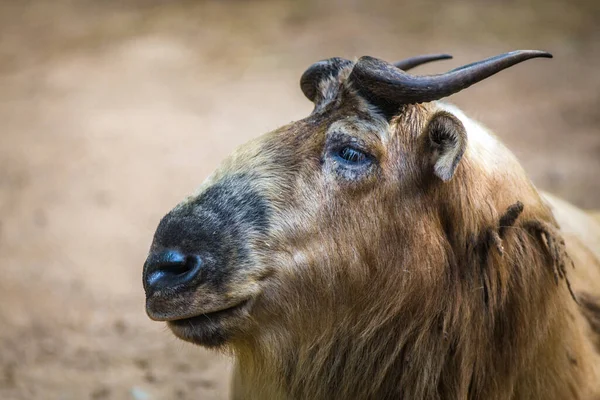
[[385, 246]]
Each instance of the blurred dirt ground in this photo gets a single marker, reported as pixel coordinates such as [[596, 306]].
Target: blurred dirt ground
[[112, 111]]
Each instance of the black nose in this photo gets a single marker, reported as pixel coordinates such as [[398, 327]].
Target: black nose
[[170, 268]]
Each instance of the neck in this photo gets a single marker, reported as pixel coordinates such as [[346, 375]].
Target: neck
[[491, 323], [456, 353], [427, 364]]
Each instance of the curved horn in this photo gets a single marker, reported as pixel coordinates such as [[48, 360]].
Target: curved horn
[[410, 63], [331, 67], [388, 87], [317, 72]]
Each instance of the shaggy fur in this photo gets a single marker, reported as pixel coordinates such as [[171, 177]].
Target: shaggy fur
[[401, 281], [423, 290]]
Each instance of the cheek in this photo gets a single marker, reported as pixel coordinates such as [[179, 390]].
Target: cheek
[[342, 181], [326, 234]]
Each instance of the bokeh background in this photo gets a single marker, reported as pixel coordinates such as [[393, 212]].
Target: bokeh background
[[112, 111]]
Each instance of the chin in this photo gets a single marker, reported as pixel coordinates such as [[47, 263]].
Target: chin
[[201, 331], [212, 330]]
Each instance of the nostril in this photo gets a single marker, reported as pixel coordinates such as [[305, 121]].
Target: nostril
[[170, 268], [184, 267]]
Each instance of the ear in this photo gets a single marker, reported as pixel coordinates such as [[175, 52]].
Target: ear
[[446, 143]]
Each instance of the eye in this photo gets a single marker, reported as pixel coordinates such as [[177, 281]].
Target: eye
[[352, 156]]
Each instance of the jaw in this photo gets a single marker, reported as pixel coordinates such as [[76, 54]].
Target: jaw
[[213, 329], [206, 319]]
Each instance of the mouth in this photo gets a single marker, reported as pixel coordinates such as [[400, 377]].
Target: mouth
[[212, 329], [214, 315]]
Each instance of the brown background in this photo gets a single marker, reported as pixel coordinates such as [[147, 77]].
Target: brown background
[[112, 111]]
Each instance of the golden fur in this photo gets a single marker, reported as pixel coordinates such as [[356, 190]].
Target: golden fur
[[401, 285]]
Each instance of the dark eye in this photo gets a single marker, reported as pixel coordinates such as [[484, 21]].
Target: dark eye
[[350, 155]]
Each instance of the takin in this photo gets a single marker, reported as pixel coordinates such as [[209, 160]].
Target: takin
[[385, 247]]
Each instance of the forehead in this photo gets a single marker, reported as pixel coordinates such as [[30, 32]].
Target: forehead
[[350, 115], [360, 126]]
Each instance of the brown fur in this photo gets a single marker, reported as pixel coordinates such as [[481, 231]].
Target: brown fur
[[447, 293], [400, 285]]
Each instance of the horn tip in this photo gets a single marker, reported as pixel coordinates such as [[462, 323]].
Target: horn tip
[[536, 53], [545, 54]]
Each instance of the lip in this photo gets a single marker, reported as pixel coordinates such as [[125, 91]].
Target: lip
[[213, 329], [212, 315]]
